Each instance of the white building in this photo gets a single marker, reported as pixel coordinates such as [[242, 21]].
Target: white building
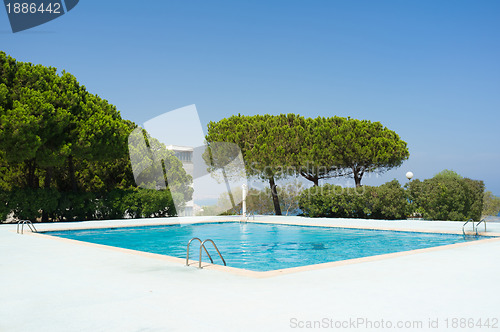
[[185, 155]]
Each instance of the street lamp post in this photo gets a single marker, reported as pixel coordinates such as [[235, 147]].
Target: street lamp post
[[244, 191], [409, 176]]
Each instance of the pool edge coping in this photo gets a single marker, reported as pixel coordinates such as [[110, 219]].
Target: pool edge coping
[[493, 237]]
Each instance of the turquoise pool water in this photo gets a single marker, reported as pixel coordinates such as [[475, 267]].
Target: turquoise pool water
[[263, 247]]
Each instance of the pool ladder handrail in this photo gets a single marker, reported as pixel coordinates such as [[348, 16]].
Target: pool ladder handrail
[[463, 226], [27, 222], [187, 250], [481, 221], [202, 245]]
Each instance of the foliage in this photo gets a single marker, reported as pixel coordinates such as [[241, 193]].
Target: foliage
[[475, 193], [335, 202], [320, 149], [448, 174], [269, 145], [64, 152], [143, 203], [491, 204], [439, 198], [447, 196], [366, 147], [154, 166], [48, 120], [257, 201], [72, 206], [337, 146], [209, 210], [4, 208], [289, 194], [387, 201], [276, 147]]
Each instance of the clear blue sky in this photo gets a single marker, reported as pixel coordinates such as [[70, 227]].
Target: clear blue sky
[[430, 70]]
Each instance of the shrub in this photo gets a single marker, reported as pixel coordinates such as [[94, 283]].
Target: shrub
[[491, 204], [257, 201], [385, 202], [447, 196], [389, 201], [75, 206], [4, 204], [30, 203], [153, 203], [72, 206]]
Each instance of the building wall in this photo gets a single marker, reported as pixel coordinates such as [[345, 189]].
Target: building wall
[[185, 155]]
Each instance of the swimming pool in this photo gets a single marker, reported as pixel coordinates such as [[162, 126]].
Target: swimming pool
[[262, 246]]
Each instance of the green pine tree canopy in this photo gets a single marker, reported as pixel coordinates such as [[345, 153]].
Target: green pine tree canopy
[[275, 147], [55, 135]]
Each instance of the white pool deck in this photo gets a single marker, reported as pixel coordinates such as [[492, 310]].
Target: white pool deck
[[50, 284]]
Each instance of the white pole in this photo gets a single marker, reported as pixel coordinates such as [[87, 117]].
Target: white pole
[[244, 197]]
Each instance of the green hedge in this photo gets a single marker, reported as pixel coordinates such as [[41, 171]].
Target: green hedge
[[439, 198], [447, 198], [385, 202], [72, 206]]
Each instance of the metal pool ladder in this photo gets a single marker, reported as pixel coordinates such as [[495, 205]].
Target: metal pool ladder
[[27, 222], [202, 245], [247, 218], [474, 227]]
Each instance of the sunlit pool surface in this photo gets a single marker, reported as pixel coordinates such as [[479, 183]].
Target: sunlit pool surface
[[263, 247]]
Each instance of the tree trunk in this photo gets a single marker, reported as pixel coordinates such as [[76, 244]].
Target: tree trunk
[[48, 178], [72, 178], [358, 174], [46, 185], [274, 193], [357, 180], [313, 178], [32, 180]]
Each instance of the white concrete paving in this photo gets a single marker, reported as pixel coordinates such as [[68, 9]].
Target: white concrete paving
[[51, 285]]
